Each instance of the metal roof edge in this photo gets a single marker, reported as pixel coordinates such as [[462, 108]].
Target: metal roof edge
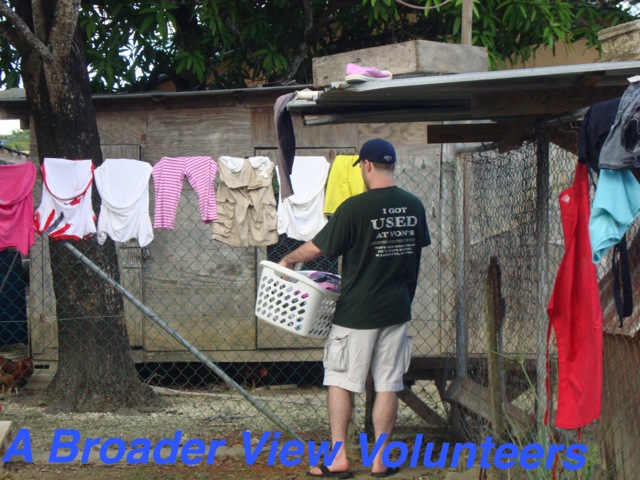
[[450, 96], [473, 77], [198, 93], [583, 68], [16, 96]]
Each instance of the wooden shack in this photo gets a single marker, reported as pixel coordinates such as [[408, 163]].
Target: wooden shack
[[203, 288], [206, 289]]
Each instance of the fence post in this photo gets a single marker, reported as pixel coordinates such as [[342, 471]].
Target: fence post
[[495, 363], [542, 247], [462, 238]]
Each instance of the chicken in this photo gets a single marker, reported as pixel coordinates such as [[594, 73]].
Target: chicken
[[14, 375], [251, 377], [6, 365]]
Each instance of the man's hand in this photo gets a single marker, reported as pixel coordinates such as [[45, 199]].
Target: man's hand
[[305, 252], [286, 264]]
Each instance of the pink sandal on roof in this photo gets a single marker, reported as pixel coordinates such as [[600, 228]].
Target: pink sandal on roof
[[356, 74]]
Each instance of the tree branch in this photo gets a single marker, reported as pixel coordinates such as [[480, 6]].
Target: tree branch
[[36, 14], [23, 33], [424, 8], [64, 26], [8, 35], [303, 49], [313, 30]]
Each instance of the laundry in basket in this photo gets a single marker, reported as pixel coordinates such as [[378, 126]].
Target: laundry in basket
[[293, 301], [328, 281]]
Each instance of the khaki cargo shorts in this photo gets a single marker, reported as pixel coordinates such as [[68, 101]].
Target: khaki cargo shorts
[[350, 353]]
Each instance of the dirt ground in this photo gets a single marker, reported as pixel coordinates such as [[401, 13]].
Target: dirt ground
[[223, 470], [219, 415], [226, 469], [231, 467]]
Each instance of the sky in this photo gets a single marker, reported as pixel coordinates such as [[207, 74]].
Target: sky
[[7, 126]]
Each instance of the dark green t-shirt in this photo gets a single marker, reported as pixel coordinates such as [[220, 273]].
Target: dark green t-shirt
[[380, 234]]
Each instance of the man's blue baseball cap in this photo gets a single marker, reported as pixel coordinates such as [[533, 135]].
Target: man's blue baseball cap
[[378, 151]]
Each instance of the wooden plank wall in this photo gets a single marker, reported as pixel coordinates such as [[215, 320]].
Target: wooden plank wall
[[206, 289], [620, 423]]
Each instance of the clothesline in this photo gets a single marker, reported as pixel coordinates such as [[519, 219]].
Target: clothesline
[[240, 207]]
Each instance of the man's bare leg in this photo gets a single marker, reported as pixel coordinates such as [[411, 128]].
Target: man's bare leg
[[385, 411], [340, 408]]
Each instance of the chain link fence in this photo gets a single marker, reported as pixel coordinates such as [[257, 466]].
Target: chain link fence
[[204, 291], [512, 245], [514, 228], [500, 227], [496, 232]]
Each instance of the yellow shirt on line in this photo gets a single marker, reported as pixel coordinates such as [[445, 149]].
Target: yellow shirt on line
[[345, 181]]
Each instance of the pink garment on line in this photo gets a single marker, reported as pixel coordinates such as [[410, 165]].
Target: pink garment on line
[[168, 175], [16, 206]]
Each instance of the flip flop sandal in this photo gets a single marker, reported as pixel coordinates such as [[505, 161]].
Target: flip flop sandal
[[326, 473], [387, 473]]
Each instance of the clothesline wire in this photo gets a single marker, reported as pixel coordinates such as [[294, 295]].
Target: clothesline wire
[[426, 7]]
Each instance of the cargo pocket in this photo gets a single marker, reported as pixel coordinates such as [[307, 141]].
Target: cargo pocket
[[407, 353], [335, 354]]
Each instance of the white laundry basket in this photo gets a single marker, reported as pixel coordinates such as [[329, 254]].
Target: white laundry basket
[[294, 302]]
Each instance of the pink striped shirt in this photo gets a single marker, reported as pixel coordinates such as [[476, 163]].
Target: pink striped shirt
[[168, 175]]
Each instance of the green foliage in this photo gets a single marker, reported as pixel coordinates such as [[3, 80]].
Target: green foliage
[[9, 66], [192, 62], [17, 140], [271, 60], [133, 44]]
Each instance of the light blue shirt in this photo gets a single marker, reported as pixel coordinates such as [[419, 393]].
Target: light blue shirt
[[615, 206]]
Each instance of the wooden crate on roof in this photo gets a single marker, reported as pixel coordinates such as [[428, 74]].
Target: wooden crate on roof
[[417, 57]]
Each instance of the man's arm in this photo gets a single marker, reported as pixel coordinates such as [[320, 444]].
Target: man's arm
[[305, 252]]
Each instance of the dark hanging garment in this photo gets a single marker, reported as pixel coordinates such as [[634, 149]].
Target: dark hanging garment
[[286, 143], [622, 146], [595, 128]]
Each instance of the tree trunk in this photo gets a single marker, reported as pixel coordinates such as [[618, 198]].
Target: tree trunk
[[95, 370]]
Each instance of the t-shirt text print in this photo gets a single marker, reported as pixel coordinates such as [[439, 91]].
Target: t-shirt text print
[[394, 232]]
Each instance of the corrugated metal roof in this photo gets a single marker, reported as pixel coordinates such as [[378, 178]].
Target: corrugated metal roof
[[19, 95], [496, 95], [13, 102]]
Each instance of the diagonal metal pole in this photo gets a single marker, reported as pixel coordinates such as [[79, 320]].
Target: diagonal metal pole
[[199, 355]]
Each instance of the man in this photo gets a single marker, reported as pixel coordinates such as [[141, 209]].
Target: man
[[380, 234]]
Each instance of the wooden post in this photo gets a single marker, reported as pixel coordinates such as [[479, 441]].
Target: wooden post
[[495, 318], [466, 33], [462, 248]]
